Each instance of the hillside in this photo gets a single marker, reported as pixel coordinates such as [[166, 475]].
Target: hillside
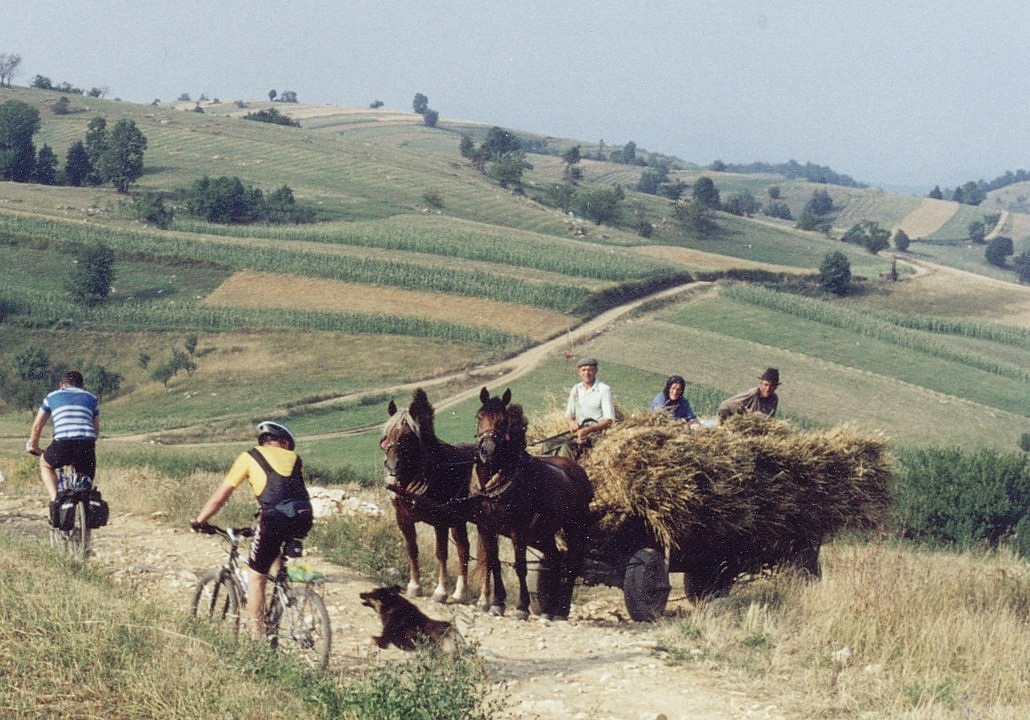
[[422, 266]]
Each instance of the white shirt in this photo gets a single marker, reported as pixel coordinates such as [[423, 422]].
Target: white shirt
[[594, 403]]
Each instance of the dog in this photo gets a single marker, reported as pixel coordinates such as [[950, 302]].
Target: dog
[[404, 624]]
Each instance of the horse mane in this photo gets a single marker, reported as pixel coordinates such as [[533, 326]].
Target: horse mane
[[422, 413], [517, 426]]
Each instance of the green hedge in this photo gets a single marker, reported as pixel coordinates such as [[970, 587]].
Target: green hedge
[[946, 496]]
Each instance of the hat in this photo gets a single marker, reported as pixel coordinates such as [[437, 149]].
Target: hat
[[586, 361], [772, 375]]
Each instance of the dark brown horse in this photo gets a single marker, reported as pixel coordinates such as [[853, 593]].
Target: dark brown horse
[[429, 478], [529, 500]]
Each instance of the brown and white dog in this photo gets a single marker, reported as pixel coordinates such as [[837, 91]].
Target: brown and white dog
[[404, 623]]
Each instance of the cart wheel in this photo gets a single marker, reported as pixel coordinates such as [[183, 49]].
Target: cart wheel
[[646, 587]]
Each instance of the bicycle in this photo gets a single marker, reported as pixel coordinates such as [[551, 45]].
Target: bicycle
[[75, 513], [296, 615]]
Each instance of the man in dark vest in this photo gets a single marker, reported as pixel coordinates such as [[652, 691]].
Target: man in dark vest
[[275, 474], [761, 399]]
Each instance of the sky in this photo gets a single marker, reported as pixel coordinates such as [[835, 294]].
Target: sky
[[898, 94]]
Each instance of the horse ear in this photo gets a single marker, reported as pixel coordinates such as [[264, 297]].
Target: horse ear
[[391, 409], [506, 398], [484, 395]]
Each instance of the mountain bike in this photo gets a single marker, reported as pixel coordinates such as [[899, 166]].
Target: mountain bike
[[296, 619]]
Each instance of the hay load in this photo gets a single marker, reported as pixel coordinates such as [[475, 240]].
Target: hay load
[[755, 492]]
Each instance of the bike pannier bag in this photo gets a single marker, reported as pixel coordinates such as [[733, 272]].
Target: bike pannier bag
[[97, 511], [62, 511]]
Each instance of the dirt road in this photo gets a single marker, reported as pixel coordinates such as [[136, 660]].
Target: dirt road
[[597, 666]]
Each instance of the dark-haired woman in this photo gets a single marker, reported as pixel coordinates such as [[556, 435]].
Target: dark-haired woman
[[671, 400]]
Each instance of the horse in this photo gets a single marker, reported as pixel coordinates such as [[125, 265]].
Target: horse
[[529, 500], [428, 477]]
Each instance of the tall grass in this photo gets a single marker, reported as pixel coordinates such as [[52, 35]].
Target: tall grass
[[78, 646], [888, 632]]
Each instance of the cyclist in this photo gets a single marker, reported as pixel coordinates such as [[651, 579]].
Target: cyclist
[[76, 417], [275, 474]]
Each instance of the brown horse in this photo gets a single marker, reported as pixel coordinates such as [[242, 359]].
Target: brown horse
[[429, 478], [530, 500]]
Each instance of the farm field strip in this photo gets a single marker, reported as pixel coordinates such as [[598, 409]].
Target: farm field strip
[[250, 289], [831, 393], [928, 218], [240, 254], [847, 347]]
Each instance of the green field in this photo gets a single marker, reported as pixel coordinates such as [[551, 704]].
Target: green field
[[367, 174]]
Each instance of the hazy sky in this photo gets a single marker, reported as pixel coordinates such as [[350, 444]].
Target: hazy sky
[[891, 92]]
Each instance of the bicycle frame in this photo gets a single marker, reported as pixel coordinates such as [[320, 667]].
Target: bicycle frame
[[75, 541], [297, 615]]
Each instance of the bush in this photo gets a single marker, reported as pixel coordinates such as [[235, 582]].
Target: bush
[[955, 498], [149, 208], [835, 273]]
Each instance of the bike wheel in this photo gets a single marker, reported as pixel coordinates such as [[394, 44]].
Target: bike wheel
[[216, 599], [80, 534], [304, 628]]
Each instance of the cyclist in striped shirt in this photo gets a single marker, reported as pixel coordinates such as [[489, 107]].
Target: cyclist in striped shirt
[[76, 417]]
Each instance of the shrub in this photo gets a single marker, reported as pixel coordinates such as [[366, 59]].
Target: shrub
[[149, 208], [947, 496], [835, 273]]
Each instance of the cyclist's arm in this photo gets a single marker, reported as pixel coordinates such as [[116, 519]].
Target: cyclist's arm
[[37, 429], [214, 503]]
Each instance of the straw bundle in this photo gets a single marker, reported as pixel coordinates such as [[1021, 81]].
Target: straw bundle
[[753, 482]]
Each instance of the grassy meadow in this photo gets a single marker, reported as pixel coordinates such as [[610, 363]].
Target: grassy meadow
[[319, 324]]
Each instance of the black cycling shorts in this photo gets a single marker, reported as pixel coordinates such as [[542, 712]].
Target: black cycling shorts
[[80, 453], [273, 532]]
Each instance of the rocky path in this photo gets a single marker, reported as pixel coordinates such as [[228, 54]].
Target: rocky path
[[597, 666]]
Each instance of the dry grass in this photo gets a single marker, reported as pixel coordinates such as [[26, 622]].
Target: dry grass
[[889, 632], [264, 290], [700, 260], [928, 218]]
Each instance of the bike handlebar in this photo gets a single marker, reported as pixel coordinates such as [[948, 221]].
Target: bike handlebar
[[209, 529]]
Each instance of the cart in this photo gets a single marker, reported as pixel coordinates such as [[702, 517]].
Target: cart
[[629, 558]]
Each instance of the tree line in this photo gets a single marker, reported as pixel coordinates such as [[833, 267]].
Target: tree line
[[103, 155]]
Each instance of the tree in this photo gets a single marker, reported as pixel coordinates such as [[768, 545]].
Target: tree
[[42, 82], [977, 232], [508, 169], [288, 96], [774, 192], [998, 249], [30, 378], [77, 167], [45, 172], [560, 195], [1021, 263], [96, 145], [706, 193], [271, 115], [499, 143], [122, 161], [652, 178], [936, 193], [93, 274], [835, 273], [18, 123], [9, 62], [901, 240], [779, 210], [695, 216], [820, 203], [466, 147], [600, 205], [150, 208], [742, 203], [420, 104], [869, 235], [271, 95], [101, 381], [430, 117]]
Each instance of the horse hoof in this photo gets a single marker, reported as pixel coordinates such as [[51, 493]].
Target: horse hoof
[[414, 590], [496, 610], [522, 615], [545, 617], [440, 596]]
